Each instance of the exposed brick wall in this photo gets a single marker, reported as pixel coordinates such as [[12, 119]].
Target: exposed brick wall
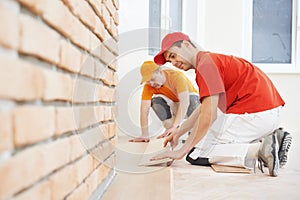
[[57, 97]]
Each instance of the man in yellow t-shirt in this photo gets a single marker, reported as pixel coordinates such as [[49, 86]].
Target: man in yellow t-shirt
[[170, 94]]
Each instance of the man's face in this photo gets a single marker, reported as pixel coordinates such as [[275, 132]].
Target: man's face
[[176, 55], [157, 79]]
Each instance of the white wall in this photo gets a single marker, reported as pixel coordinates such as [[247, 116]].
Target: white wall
[[289, 87], [215, 25]]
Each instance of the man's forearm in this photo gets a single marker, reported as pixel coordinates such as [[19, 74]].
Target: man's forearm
[[144, 125], [190, 122]]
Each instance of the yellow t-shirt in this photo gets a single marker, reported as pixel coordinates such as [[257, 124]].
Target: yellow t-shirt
[[176, 82]]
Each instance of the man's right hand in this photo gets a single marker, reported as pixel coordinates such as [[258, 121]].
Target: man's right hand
[[139, 140], [172, 139]]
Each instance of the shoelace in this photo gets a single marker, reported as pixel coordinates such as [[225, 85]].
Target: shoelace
[[260, 165]]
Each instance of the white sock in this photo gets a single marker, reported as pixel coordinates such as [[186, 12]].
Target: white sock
[[252, 154]]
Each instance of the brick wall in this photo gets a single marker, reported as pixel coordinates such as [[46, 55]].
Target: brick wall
[[57, 97]]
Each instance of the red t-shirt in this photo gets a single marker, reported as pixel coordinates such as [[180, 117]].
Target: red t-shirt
[[243, 87]]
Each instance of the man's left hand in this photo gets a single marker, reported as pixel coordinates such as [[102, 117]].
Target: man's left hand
[[167, 132]]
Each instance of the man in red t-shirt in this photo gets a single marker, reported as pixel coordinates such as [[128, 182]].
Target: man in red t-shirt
[[237, 122]]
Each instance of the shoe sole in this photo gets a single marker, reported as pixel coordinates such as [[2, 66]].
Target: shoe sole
[[274, 171], [284, 148]]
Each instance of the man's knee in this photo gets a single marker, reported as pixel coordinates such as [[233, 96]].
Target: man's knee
[[194, 103], [161, 108], [198, 161]]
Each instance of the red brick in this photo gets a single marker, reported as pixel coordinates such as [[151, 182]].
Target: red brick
[[105, 94], [99, 113], [53, 12], [102, 152], [96, 4], [108, 113], [80, 193], [112, 45], [117, 4], [25, 81], [58, 15], [80, 34], [105, 18], [113, 29], [64, 120], [63, 182], [82, 10], [112, 129], [38, 191], [104, 131], [9, 28], [103, 172], [77, 148], [19, 171], [35, 6], [92, 137], [70, 57], [32, 124], [83, 168], [6, 131], [110, 7], [99, 29], [84, 91], [32, 164], [106, 56], [116, 18], [33, 42], [114, 65], [55, 154], [87, 65], [92, 181], [108, 77], [96, 163], [84, 116], [99, 70], [94, 44], [58, 86]]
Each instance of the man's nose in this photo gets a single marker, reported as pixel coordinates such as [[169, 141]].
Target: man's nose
[[173, 62], [151, 83]]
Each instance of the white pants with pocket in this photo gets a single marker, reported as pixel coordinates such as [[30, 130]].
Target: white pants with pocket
[[228, 139]]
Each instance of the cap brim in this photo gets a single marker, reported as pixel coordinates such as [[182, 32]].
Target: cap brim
[[159, 58], [146, 78]]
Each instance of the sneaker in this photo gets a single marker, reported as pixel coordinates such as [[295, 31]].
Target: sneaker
[[284, 141], [268, 154]]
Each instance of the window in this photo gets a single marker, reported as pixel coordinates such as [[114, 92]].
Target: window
[[164, 16], [154, 24], [272, 32], [175, 15]]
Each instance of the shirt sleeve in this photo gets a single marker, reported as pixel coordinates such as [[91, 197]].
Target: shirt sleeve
[[147, 92], [180, 83], [208, 78]]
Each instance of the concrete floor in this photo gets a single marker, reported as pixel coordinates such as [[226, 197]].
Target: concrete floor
[[183, 181]]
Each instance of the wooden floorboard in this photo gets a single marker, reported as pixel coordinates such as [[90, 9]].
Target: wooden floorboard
[[133, 181]]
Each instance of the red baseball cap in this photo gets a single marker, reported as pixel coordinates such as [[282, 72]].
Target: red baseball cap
[[166, 43]]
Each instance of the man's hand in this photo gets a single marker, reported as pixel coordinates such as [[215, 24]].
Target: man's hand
[[141, 139], [172, 139], [174, 155], [167, 132]]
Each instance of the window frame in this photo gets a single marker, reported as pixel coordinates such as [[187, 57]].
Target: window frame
[[165, 23]]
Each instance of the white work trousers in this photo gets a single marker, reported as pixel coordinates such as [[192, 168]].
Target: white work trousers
[[228, 139]]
